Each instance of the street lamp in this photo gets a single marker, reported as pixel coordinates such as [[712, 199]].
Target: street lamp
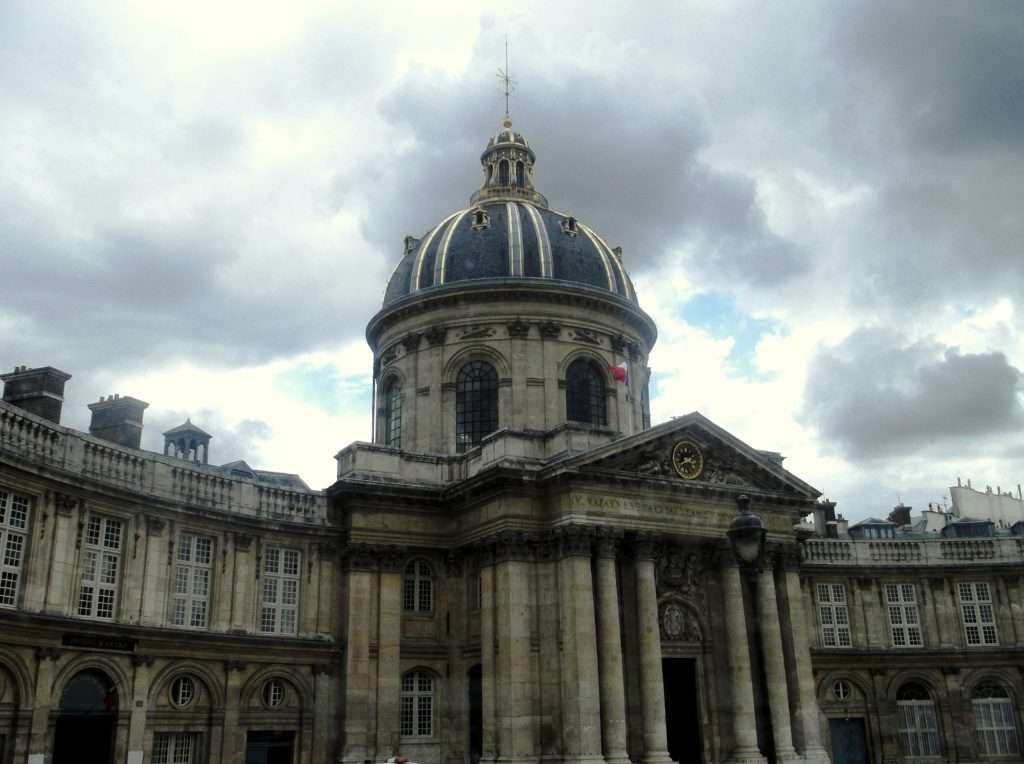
[[746, 535]]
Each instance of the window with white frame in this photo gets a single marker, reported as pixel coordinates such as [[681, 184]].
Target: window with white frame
[[13, 535], [175, 748], [978, 613], [417, 713], [101, 567], [190, 605], [279, 614], [918, 723], [833, 615], [418, 587], [995, 721], [904, 619]]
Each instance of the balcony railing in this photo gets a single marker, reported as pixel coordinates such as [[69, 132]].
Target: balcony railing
[[25, 436], [913, 552]]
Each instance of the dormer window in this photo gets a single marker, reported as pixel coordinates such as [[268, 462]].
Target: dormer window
[[481, 220], [569, 226]]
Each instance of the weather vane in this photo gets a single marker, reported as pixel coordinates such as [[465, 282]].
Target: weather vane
[[506, 79]]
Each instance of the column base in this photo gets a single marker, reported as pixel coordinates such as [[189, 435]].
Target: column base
[[517, 760], [816, 755], [657, 757], [585, 758], [746, 756], [618, 758]]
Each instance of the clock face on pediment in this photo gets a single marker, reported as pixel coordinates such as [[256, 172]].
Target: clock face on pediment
[[687, 459], [694, 456]]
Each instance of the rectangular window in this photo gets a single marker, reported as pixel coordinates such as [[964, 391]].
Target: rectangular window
[[919, 728], [279, 614], [190, 603], [100, 567], [978, 614], [833, 615], [13, 536], [995, 727], [904, 620], [175, 748]]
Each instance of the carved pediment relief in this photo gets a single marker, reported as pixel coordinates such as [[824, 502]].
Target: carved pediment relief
[[692, 456], [678, 622], [679, 571]]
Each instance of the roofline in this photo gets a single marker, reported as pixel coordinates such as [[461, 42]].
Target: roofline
[[424, 299]]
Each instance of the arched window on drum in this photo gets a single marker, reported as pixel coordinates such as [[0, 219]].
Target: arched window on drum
[[585, 399], [476, 404], [393, 413]]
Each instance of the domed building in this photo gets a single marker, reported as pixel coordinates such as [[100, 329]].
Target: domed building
[[518, 568]]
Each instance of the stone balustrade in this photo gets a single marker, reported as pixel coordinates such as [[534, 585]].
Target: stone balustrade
[[24, 435], [913, 552]]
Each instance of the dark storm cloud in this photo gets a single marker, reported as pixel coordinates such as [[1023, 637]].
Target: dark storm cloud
[[875, 395], [620, 152]]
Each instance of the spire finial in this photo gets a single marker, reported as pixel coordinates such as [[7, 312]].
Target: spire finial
[[508, 83]]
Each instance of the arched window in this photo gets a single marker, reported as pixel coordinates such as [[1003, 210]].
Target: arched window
[[476, 404], [503, 172], [417, 704], [585, 393], [918, 724], [393, 414], [520, 175], [995, 721], [418, 587]]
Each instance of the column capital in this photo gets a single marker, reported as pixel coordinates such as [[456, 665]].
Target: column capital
[[573, 540], [142, 660], [360, 557], [65, 504], [644, 547], [47, 653], [453, 562], [389, 558], [607, 543], [512, 546]]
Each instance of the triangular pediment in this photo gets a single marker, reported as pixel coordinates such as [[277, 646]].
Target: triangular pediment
[[693, 450]]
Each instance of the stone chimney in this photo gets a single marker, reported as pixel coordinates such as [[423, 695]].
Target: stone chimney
[[824, 513], [37, 391], [900, 515], [118, 420]]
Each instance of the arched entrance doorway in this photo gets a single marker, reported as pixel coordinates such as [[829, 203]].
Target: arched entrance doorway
[[85, 727]]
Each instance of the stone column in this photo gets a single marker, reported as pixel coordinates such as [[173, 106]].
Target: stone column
[[389, 637], [549, 654], [140, 702], [652, 681], [613, 695], [233, 751], [744, 719], [60, 599], [488, 664], [39, 742], [581, 701], [356, 744], [155, 579], [809, 715], [517, 740], [245, 576], [323, 677], [774, 664]]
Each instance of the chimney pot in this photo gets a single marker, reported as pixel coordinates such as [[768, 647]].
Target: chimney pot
[[118, 420], [38, 391]]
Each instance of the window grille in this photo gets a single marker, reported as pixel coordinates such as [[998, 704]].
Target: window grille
[[417, 711], [833, 615], [101, 563], [904, 619], [476, 404], [279, 614], [418, 587], [191, 600], [995, 721], [175, 748], [393, 414], [978, 614], [918, 724], [183, 691], [585, 393], [13, 535]]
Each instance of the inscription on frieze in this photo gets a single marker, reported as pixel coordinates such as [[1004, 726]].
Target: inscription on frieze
[[662, 511]]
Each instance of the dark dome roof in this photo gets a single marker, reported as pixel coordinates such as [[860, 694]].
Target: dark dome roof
[[508, 233]]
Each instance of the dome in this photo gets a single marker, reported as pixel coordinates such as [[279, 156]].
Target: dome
[[508, 232]]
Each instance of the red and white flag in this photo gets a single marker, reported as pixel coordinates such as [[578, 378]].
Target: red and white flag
[[620, 373]]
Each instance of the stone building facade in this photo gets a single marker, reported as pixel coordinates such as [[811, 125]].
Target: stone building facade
[[518, 568]]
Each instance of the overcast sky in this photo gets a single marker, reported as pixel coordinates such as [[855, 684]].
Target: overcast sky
[[820, 204]]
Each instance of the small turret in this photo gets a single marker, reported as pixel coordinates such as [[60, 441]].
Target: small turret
[[188, 442]]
